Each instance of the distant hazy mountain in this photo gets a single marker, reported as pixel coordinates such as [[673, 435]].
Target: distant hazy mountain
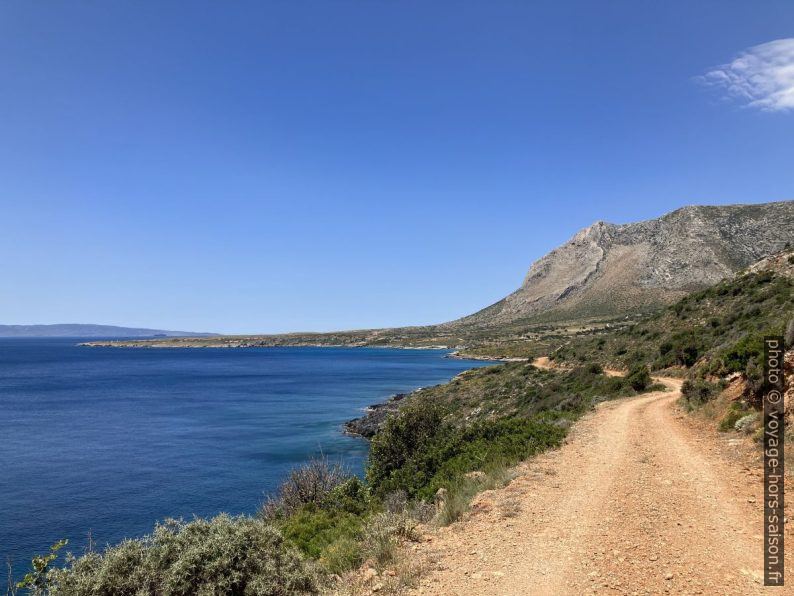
[[615, 269], [79, 330]]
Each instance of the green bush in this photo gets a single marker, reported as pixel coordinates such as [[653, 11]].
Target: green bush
[[506, 441], [735, 358], [682, 348], [615, 385], [418, 425], [595, 368], [236, 556], [697, 391], [429, 454], [36, 581], [639, 378], [342, 555], [351, 496], [312, 529], [734, 413]]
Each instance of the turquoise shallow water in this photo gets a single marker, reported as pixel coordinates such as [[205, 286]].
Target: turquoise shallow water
[[109, 440]]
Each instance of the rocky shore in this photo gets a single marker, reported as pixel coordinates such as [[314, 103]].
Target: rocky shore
[[375, 417]]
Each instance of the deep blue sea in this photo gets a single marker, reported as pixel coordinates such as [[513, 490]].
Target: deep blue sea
[[108, 440]]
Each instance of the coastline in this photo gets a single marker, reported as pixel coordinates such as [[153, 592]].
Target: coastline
[[461, 355], [253, 342], [231, 342], [376, 415]]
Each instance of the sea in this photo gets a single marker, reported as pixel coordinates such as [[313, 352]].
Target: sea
[[96, 444]]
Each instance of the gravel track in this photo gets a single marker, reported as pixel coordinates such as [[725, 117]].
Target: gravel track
[[637, 501]]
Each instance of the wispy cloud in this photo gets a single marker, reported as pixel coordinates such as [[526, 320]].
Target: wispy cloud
[[760, 77]]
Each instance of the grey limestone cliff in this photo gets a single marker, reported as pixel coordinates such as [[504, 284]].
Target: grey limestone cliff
[[611, 269]]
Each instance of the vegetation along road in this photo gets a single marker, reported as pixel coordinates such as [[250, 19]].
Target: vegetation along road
[[636, 502]]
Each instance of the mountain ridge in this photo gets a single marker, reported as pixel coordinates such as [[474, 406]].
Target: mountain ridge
[[610, 269]]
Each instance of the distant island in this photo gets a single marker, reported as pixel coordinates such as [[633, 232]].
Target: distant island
[[87, 330]]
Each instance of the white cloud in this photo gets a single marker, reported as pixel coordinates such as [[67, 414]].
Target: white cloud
[[761, 77]]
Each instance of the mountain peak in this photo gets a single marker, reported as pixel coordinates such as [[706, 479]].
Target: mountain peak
[[609, 270]]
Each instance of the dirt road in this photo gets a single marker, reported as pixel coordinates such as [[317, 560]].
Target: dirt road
[[636, 502]]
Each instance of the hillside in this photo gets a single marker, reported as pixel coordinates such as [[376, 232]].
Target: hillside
[[712, 332], [718, 329], [610, 270]]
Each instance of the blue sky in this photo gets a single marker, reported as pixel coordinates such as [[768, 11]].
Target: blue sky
[[296, 165]]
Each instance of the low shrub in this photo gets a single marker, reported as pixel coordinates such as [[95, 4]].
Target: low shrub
[[380, 540], [223, 555], [463, 489], [309, 484], [490, 445], [697, 392], [351, 496], [737, 357], [639, 378], [595, 368], [321, 511], [731, 417], [312, 529], [747, 424], [437, 458], [342, 555]]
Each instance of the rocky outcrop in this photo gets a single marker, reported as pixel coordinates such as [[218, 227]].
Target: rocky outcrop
[[614, 269], [370, 423]]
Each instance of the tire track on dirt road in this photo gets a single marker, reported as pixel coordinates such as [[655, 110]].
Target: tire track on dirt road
[[633, 503]]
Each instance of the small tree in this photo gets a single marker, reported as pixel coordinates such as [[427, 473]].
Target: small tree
[[698, 391], [418, 423], [639, 378], [309, 483], [36, 580]]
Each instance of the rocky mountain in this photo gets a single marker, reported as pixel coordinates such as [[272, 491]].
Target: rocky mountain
[[609, 270], [82, 330], [605, 272]]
